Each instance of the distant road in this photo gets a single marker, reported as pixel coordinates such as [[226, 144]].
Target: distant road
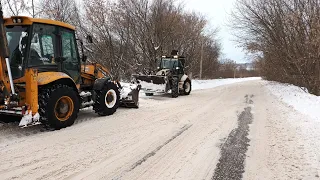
[[237, 131]]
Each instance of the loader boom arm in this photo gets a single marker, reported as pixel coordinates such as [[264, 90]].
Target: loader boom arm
[[6, 82]]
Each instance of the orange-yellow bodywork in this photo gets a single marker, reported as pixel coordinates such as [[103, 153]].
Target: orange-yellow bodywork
[[49, 77], [45, 78], [31, 81], [29, 21], [32, 90], [27, 86], [4, 76], [94, 69]]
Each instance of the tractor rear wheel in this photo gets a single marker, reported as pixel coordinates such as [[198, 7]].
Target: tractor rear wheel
[[58, 106], [107, 100], [175, 87]]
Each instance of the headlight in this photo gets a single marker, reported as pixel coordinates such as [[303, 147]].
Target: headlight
[[17, 20]]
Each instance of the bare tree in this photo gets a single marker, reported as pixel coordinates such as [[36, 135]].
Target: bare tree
[[285, 33], [16, 7], [60, 10], [130, 34]]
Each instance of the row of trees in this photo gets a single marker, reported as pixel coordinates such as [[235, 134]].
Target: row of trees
[[231, 69], [284, 35], [129, 34]]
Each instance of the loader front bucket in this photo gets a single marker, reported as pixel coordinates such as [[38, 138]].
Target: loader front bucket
[[152, 83], [159, 80], [129, 95]]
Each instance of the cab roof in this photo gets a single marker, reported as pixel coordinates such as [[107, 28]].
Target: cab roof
[[25, 20]]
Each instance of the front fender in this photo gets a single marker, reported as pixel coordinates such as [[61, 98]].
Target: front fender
[[183, 78], [100, 83], [45, 78]]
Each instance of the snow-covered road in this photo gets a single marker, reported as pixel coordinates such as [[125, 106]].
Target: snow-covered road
[[233, 131]]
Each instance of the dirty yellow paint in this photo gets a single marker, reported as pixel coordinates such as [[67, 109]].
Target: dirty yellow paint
[[32, 90], [29, 21], [48, 77]]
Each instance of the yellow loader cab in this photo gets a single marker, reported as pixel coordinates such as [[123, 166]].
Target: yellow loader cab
[[42, 78]]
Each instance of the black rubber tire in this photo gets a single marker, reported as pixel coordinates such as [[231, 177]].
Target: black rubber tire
[[100, 106], [149, 94], [175, 87], [48, 96], [184, 85]]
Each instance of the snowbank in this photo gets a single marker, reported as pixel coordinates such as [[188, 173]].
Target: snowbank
[[208, 84], [294, 96]]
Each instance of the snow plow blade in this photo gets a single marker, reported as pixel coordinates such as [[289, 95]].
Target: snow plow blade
[[129, 95], [152, 83], [159, 80]]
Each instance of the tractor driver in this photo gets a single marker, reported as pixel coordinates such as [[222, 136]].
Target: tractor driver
[[15, 54]]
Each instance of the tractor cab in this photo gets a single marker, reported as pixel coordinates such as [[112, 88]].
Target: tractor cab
[[45, 45], [173, 64]]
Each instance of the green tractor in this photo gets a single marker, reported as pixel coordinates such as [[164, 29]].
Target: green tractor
[[170, 77]]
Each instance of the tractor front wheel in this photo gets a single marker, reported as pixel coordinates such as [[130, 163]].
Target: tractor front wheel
[[187, 87], [107, 100]]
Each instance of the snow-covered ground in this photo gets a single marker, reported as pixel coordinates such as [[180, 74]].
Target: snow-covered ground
[[196, 84], [178, 138], [301, 126], [294, 96], [208, 84]]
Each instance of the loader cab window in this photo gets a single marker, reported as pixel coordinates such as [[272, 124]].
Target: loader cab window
[[42, 46], [71, 63], [167, 63], [170, 63], [17, 37], [181, 68]]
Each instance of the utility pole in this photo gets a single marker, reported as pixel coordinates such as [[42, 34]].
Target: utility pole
[[201, 59]]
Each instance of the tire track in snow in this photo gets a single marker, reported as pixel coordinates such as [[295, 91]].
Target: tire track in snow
[[233, 151], [152, 153]]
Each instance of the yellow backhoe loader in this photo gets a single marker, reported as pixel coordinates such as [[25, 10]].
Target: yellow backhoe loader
[[44, 80]]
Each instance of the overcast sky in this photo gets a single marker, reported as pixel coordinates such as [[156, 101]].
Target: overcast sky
[[217, 12]]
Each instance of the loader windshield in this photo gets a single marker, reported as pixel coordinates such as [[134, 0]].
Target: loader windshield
[[167, 63], [17, 37]]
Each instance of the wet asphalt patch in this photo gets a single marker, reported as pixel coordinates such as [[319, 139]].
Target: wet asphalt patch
[[233, 150]]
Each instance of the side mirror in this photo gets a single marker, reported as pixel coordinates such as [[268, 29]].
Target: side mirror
[[89, 39], [84, 58]]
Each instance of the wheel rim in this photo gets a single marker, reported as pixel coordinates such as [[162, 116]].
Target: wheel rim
[[110, 98], [64, 108], [187, 87]]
